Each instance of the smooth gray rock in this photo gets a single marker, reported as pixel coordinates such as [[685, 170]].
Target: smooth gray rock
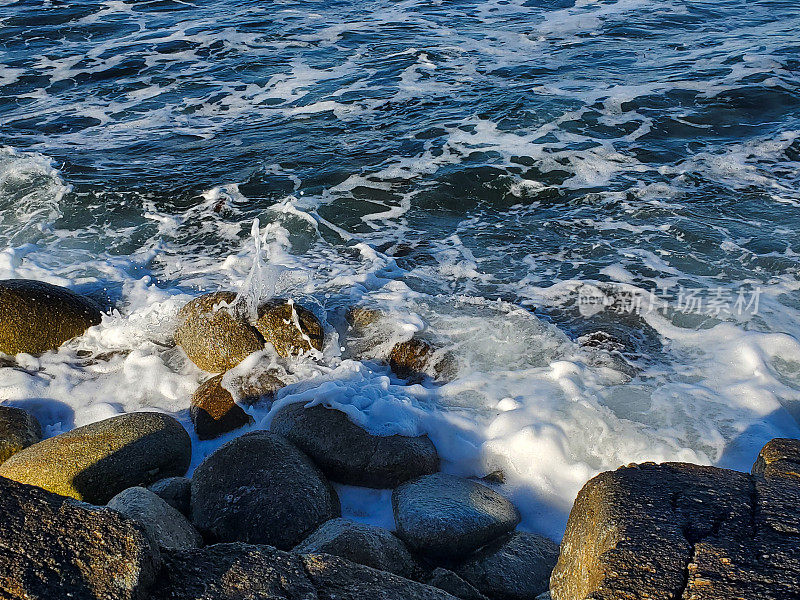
[[175, 491], [453, 584], [363, 544], [54, 547], [240, 571], [97, 461], [514, 568], [447, 517], [259, 488], [169, 528], [348, 454], [18, 430], [679, 530]]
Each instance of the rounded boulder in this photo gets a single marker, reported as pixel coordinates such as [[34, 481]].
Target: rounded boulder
[[290, 328], [18, 430], [36, 316], [213, 411], [260, 489], [97, 461]]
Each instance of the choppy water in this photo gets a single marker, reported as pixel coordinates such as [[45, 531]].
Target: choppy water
[[471, 167]]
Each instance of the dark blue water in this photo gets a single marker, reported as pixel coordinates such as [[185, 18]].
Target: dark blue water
[[417, 154]]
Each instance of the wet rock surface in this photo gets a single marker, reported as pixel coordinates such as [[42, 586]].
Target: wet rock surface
[[259, 488], [240, 571], [97, 461], [168, 527], [57, 547], [514, 568], [346, 453], [290, 328], [18, 430], [214, 412], [363, 544], [447, 517], [678, 530], [212, 335], [36, 316]]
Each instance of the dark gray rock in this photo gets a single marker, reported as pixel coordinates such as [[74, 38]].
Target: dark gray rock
[[348, 454], [447, 517], [261, 489], [97, 461], [18, 430], [36, 316], [175, 491], [215, 337], [169, 528], [514, 568], [249, 572], [678, 530], [289, 327], [57, 547], [453, 584], [213, 411], [363, 544]]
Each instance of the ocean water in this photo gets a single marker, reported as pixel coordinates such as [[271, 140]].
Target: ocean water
[[594, 205]]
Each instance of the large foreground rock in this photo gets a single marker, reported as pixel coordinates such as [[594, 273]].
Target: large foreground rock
[[678, 530], [260, 489], [348, 454], [243, 571], [18, 430], [447, 517], [515, 568], [213, 411], [290, 328], [97, 461], [213, 335], [56, 547], [37, 316], [360, 543], [168, 527], [453, 584]]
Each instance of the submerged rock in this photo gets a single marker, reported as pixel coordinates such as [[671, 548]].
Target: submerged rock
[[18, 430], [514, 568], [261, 489], [360, 543], [213, 337], [290, 328], [348, 454], [213, 411], [240, 571], [56, 547], [175, 491], [416, 358], [97, 461], [169, 528], [453, 584], [36, 316], [678, 530], [447, 517]]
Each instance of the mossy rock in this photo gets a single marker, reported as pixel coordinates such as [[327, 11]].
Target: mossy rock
[[18, 430], [36, 316], [214, 412], [213, 337], [97, 461], [278, 322]]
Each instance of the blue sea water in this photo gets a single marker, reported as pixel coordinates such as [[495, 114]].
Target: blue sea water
[[594, 205]]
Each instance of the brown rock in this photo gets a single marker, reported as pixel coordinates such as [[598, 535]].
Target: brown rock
[[679, 531], [18, 430], [278, 322], [779, 457], [214, 412], [213, 336], [36, 316]]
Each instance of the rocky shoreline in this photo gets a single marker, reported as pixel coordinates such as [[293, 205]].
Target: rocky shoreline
[[105, 511]]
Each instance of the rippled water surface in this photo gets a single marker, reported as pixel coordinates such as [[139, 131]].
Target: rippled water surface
[[477, 169]]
